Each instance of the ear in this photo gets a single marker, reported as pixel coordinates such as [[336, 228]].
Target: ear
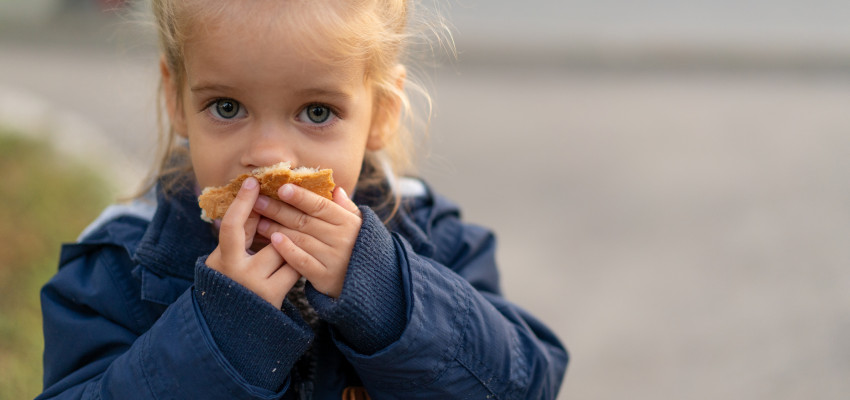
[[173, 103], [386, 113]]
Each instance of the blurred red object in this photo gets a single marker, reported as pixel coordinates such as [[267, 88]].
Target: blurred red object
[[109, 5]]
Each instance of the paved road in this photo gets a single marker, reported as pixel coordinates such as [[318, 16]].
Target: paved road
[[684, 232], [686, 235]]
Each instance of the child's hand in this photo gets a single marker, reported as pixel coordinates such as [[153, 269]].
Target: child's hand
[[264, 273], [314, 235]]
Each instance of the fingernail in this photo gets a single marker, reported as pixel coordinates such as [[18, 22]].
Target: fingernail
[[277, 237], [262, 203], [263, 225], [341, 190], [249, 183], [286, 191]]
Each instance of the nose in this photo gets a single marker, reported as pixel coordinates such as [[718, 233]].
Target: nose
[[269, 145]]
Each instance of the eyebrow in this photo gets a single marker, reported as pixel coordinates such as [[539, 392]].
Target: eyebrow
[[318, 92], [321, 92], [210, 88]]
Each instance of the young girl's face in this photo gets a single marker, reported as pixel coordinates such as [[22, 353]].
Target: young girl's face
[[252, 97]]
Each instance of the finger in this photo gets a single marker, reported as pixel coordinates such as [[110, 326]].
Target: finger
[[307, 237], [310, 203], [267, 261], [232, 231], [289, 216], [341, 198], [284, 278], [251, 228], [297, 258]]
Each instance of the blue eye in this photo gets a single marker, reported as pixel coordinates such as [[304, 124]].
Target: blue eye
[[318, 113], [226, 108]]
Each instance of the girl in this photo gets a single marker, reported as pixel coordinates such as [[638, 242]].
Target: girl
[[401, 299]]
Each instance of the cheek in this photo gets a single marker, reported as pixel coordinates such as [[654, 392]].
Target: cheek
[[347, 179], [208, 163], [203, 173], [345, 157], [346, 169]]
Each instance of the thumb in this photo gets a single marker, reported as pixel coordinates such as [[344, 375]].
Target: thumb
[[341, 198]]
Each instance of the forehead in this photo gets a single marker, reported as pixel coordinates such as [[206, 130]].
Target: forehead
[[318, 31], [278, 44]]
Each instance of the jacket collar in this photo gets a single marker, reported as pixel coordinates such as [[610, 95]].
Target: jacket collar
[[176, 236], [403, 221]]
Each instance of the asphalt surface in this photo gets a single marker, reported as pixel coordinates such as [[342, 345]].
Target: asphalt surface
[[684, 231]]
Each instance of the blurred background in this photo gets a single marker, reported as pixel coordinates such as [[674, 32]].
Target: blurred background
[[667, 179]]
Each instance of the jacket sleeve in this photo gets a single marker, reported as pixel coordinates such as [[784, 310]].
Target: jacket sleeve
[[459, 337], [103, 342]]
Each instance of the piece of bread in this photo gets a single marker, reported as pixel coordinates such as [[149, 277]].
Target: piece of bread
[[214, 201]]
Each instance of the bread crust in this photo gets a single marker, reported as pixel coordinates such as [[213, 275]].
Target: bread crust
[[214, 201]]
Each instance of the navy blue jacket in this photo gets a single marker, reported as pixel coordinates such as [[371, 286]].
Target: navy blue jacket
[[135, 313]]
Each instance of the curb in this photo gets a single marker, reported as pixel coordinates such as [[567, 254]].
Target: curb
[[69, 134]]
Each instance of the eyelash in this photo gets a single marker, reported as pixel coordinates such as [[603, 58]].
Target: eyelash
[[218, 119], [334, 118]]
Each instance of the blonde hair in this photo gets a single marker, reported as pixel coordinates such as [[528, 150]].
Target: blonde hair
[[374, 32]]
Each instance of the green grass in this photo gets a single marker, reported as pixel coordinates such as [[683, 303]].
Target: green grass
[[45, 200]]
